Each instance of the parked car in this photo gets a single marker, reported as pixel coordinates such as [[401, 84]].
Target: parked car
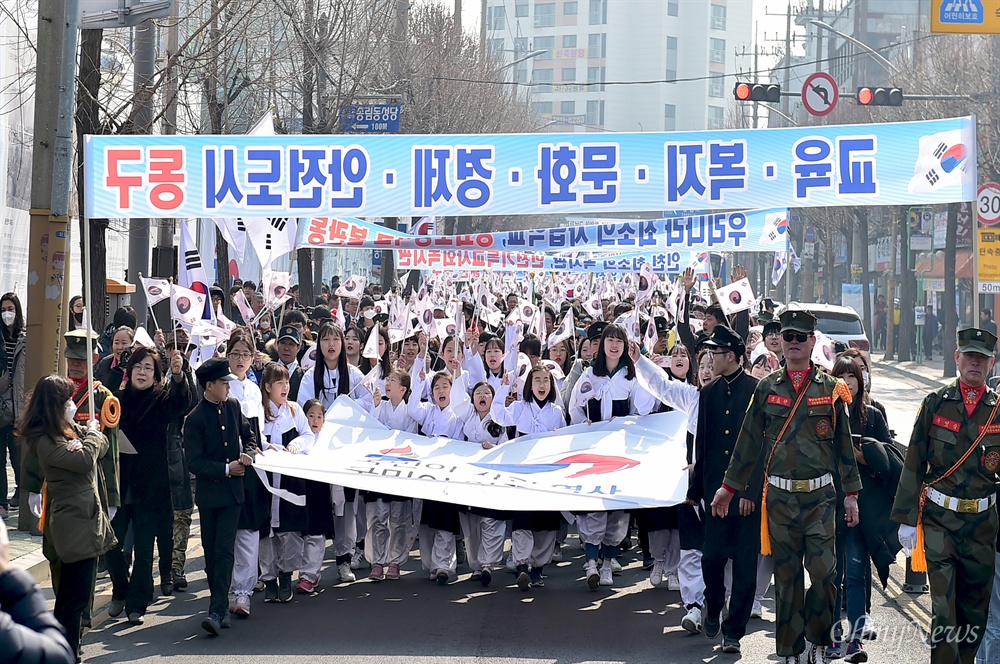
[[840, 324]]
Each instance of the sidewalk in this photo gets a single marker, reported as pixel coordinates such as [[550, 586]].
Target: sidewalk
[[928, 372]]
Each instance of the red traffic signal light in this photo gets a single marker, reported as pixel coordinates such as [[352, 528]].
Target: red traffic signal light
[[875, 96], [767, 92]]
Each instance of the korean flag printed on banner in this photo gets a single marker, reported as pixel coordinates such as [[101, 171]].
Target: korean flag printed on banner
[[353, 287], [186, 305], [736, 297], [775, 229], [943, 160], [647, 282], [565, 330], [157, 290]]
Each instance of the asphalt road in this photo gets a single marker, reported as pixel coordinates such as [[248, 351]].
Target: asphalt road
[[415, 621]]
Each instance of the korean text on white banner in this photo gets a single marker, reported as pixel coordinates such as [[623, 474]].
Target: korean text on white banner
[[633, 462]]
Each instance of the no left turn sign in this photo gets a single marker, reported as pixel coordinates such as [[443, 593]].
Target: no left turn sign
[[820, 93]]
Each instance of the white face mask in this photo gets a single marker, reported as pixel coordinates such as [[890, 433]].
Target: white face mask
[[868, 380], [70, 411], [8, 317]]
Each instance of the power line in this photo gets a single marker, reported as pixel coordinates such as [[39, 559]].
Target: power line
[[835, 58]]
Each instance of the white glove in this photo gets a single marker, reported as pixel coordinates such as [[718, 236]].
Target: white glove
[[35, 504], [293, 447], [908, 537], [94, 425], [112, 510]]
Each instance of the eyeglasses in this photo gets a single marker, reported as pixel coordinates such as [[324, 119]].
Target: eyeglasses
[[240, 356], [790, 336], [720, 351]]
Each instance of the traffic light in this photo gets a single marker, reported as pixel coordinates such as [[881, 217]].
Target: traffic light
[[769, 92], [869, 96]]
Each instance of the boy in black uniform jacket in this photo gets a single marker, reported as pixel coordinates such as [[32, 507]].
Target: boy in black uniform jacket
[[219, 445]]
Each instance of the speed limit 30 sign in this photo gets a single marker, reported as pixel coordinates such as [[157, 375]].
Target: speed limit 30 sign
[[988, 204]]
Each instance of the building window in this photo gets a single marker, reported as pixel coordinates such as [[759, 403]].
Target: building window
[[595, 112], [567, 107], [569, 41], [670, 75], [598, 12], [673, 7], [496, 18], [520, 46], [569, 74], [542, 108], [595, 75], [718, 17], [547, 44], [521, 9], [669, 117], [671, 69], [715, 87], [597, 45], [570, 8], [716, 117], [543, 77], [545, 14], [496, 47], [522, 72], [717, 51]]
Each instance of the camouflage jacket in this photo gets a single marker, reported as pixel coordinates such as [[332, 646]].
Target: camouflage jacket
[[817, 441], [942, 433]]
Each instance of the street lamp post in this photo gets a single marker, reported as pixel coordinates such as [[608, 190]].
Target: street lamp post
[[889, 67]]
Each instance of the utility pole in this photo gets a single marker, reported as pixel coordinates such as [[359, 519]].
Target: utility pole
[[785, 103], [165, 235], [890, 320], [458, 17], [482, 29], [139, 229], [401, 12], [756, 79], [52, 165]]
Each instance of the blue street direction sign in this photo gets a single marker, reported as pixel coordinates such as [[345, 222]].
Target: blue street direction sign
[[373, 118]]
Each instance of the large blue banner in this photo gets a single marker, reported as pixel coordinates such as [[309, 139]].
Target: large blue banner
[[906, 163]]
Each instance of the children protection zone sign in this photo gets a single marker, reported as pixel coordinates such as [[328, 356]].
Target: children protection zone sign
[[908, 163]]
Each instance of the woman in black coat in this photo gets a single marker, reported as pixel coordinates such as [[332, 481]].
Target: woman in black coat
[[874, 539], [148, 409]]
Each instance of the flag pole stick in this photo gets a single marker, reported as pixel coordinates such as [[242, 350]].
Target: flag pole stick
[[90, 341]]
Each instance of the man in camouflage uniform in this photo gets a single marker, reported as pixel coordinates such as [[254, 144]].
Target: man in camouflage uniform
[[31, 472], [800, 498], [959, 514]]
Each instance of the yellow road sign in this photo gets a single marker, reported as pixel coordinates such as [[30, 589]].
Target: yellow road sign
[[975, 17]]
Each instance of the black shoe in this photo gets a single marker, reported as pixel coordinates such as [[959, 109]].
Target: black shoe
[[442, 578], [711, 625], [179, 580], [485, 578], [284, 586], [227, 620], [102, 567], [271, 590], [647, 562], [626, 544], [730, 645], [523, 580], [15, 500], [115, 607], [212, 625], [166, 589], [536, 578]]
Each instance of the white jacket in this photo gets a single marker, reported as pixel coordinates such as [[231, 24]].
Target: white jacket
[[527, 417]]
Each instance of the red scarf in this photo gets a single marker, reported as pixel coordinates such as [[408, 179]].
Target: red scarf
[[971, 396], [798, 378]]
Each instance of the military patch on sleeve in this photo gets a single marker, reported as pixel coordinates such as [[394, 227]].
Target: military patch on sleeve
[[778, 399], [992, 429], [944, 422], [820, 401], [823, 427], [991, 460]]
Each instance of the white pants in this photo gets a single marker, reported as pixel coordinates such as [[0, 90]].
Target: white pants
[[437, 550], [281, 552], [665, 547], [533, 547], [484, 539], [345, 529], [607, 528], [313, 549], [245, 563], [388, 537], [690, 577]]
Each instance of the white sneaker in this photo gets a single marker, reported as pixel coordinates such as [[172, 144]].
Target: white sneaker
[[346, 575], [242, 606], [673, 582], [606, 579], [593, 578], [692, 621], [656, 574], [757, 610], [557, 556], [816, 655], [509, 565], [616, 567], [357, 559]]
